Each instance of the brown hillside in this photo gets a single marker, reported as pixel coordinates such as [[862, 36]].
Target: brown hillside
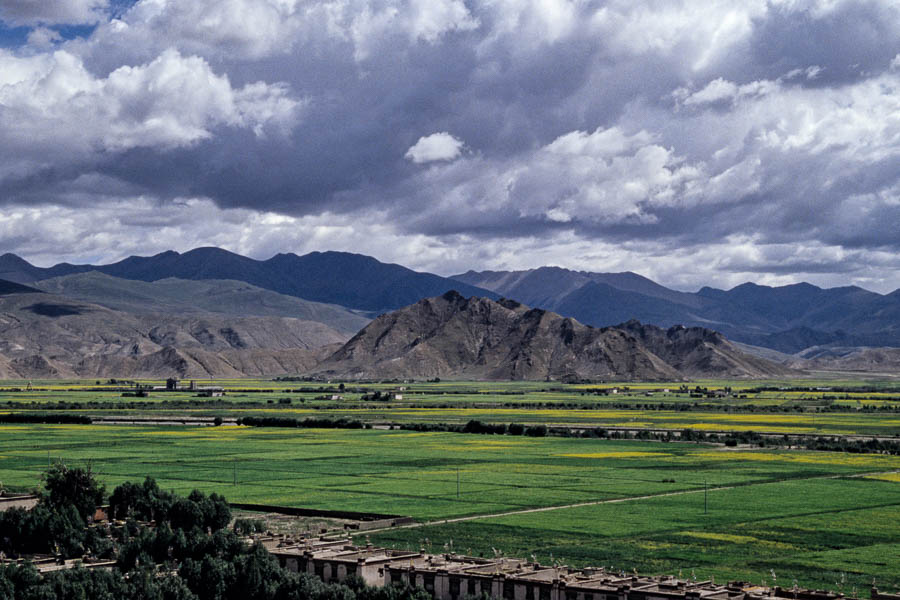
[[476, 338]]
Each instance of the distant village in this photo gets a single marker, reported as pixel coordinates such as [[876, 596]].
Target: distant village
[[174, 385]]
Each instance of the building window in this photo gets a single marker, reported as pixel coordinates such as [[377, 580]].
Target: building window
[[454, 587]]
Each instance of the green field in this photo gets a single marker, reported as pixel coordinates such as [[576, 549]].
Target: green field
[[816, 532], [793, 394], [862, 408], [807, 515], [825, 519]]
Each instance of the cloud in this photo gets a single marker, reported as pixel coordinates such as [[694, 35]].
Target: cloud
[[55, 12], [437, 146], [257, 29], [54, 111], [124, 226], [598, 179], [118, 227], [43, 38], [720, 90], [699, 142]]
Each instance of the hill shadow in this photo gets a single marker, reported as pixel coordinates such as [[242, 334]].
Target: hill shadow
[[46, 309]]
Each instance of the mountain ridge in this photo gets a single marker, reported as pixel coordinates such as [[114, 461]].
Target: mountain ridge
[[352, 280]]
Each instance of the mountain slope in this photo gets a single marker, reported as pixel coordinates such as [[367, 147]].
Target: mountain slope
[[871, 360], [699, 352], [187, 297], [46, 335], [453, 337], [10, 287], [546, 286]]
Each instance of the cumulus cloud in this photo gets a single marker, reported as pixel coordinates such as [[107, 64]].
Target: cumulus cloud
[[50, 103], [55, 12], [437, 146]]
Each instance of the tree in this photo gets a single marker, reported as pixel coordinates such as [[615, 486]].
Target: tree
[[186, 514], [64, 486], [144, 502]]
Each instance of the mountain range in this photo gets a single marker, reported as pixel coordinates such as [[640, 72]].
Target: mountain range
[[220, 312], [789, 318], [351, 280]]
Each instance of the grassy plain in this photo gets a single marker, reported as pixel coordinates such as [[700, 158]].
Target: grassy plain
[[807, 515]]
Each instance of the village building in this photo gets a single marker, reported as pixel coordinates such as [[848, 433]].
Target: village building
[[453, 577]]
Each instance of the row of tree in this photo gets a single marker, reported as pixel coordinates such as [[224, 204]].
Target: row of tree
[[823, 443]]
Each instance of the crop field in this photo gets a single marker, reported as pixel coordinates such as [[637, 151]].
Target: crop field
[[856, 408], [827, 520], [791, 394], [812, 516], [827, 533]]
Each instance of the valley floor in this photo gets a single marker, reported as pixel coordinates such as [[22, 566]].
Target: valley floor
[[824, 519]]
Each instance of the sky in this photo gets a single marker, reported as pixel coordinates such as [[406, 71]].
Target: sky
[[707, 142]]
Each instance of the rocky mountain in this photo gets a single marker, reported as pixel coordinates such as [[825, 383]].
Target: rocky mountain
[[699, 352], [211, 297], [46, 335], [451, 336], [350, 280], [789, 318]]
